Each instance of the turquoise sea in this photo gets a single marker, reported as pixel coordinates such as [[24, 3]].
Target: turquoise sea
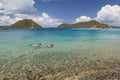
[[73, 47]]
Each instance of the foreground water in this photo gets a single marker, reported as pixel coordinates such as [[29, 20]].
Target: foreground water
[[72, 48]]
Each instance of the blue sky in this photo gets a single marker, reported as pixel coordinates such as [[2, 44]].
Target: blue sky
[[68, 10], [50, 13]]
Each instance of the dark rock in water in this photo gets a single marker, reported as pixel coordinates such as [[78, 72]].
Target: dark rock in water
[[104, 75], [43, 79], [5, 79]]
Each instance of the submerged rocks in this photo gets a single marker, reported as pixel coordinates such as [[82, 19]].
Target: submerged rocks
[[38, 69]]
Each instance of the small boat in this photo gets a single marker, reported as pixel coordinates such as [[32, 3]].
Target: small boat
[[32, 26]]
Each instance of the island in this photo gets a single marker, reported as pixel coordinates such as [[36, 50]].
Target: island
[[25, 23], [88, 24], [28, 23]]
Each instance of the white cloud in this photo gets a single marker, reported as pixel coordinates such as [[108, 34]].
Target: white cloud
[[45, 15], [17, 6], [83, 19], [110, 15], [7, 20], [44, 19], [4, 20], [107, 14], [14, 10]]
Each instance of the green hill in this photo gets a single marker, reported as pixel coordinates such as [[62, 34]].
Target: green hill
[[88, 24], [26, 23]]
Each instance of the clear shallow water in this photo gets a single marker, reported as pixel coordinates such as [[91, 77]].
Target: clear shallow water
[[72, 47]]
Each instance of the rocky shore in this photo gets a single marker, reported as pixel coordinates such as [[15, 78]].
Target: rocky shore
[[92, 70]]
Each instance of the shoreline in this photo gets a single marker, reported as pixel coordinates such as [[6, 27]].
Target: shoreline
[[97, 70], [102, 70]]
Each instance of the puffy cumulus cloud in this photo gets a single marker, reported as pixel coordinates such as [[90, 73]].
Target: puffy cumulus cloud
[[4, 20], [110, 15], [7, 20], [44, 19], [48, 21], [83, 19], [45, 15], [14, 10], [17, 6]]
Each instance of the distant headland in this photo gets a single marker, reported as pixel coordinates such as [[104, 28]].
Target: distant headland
[[25, 23], [28, 23], [88, 24]]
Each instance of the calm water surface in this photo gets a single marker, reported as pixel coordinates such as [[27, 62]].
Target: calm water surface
[[71, 47]]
